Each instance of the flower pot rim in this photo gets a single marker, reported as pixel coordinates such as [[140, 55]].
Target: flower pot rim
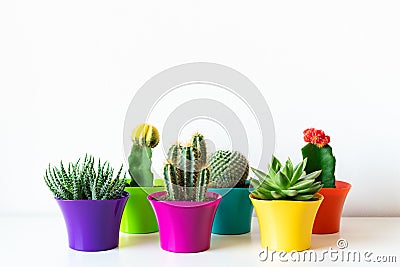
[[144, 187], [346, 186], [182, 203], [318, 195], [124, 194], [232, 188]]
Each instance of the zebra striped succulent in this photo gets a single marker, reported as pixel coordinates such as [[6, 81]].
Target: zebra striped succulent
[[83, 180]]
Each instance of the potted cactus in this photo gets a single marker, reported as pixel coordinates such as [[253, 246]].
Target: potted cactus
[[138, 216], [229, 172], [320, 157], [185, 211], [91, 200], [286, 201]]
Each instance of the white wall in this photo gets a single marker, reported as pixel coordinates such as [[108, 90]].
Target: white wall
[[68, 70]]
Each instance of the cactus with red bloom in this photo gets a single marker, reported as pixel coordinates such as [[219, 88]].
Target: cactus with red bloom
[[320, 156]]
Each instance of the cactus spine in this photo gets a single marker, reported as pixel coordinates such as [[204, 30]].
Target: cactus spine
[[228, 169], [186, 175], [144, 138]]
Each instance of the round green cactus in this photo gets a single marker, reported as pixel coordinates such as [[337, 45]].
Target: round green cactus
[[228, 169]]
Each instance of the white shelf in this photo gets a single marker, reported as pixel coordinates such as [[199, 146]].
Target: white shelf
[[42, 241]]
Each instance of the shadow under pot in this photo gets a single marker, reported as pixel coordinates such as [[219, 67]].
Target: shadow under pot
[[329, 213], [185, 226], [286, 225], [138, 216], [234, 213], [93, 225]]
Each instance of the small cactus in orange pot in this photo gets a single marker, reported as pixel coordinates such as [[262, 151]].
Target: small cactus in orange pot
[[320, 157]]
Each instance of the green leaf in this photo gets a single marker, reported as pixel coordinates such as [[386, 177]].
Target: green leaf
[[260, 174], [271, 173], [290, 193], [275, 164], [267, 193], [288, 168], [269, 185], [254, 183], [302, 185], [285, 171], [281, 180], [310, 176], [276, 195], [303, 197], [311, 190], [258, 195], [297, 172]]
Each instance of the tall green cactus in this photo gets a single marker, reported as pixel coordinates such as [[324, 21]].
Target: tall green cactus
[[228, 169], [186, 175], [199, 143], [320, 156], [144, 138]]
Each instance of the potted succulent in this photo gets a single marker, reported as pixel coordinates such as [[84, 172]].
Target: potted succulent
[[320, 157], [229, 172], [185, 211], [286, 201], [91, 200], [138, 216]]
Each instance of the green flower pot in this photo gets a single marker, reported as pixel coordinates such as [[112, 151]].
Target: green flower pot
[[138, 216]]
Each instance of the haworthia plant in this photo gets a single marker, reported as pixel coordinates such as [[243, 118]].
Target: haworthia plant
[[83, 180]]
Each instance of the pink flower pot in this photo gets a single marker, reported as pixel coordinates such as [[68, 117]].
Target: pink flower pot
[[184, 226]]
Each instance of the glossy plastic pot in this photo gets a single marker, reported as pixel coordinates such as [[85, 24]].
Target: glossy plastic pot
[[184, 226], [234, 213], [138, 216], [329, 214], [286, 225], [93, 225]]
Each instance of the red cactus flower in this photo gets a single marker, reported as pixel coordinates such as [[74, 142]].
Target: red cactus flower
[[316, 137]]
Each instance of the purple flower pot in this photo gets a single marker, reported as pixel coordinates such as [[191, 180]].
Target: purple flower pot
[[93, 225], [184, 226]]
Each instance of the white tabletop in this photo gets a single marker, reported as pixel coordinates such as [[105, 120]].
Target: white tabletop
[[34, 240]]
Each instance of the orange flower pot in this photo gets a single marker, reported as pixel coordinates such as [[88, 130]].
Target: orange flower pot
[[329, 213]]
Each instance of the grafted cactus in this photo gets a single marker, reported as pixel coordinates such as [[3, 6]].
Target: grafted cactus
[[144, 138], [186, 175], [320, 156]]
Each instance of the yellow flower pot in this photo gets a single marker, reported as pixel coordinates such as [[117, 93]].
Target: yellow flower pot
[[286, 225]]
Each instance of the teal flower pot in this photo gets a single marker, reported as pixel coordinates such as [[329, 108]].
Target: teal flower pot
[[234, 212]]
